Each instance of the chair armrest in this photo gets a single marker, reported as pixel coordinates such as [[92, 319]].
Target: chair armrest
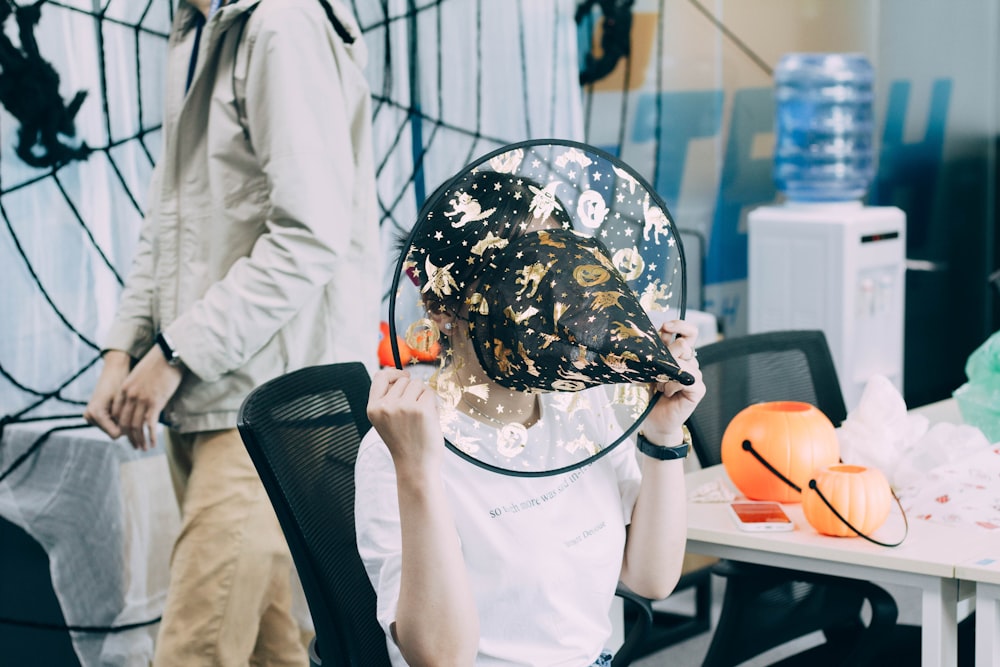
[[636, 635]]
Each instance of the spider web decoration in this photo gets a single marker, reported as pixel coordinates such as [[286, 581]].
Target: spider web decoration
[[448, 84], [71, 202], [451, 80]]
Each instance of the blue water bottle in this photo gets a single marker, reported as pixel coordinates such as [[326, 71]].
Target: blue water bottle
[[823, 126]]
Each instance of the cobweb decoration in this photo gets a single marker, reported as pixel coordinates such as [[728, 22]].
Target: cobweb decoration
[[71, 204], [449, 83], [454, 80]]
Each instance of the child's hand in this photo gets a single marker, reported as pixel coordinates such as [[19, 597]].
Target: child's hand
[[404, 412], [663, 425]]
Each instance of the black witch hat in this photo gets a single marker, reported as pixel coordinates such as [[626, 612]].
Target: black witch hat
[[556, 255]]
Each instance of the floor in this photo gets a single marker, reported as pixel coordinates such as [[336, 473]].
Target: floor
[[691, 652]]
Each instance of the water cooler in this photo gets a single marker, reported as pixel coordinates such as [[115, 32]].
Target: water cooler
[[823, 260], [839, 267]]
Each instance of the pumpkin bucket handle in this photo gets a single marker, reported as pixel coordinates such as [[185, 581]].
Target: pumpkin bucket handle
[[906, 523], [748, 446]]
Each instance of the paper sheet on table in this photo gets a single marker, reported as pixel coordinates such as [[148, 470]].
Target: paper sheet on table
[[966, 492], [715, 491]]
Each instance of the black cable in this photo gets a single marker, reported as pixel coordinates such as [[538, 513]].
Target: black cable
[[92, 629], [739, 43]]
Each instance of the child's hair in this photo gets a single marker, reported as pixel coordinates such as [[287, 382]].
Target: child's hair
[[481, 203]]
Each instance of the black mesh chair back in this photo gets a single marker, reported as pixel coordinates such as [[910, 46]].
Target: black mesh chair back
[[772, 366], [302, 431], [764, 607]]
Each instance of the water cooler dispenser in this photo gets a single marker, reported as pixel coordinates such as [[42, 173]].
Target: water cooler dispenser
[[823, 260], [839, 267]]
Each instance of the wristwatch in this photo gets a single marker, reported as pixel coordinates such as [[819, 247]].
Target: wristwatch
[[664, 453], [168, 350]]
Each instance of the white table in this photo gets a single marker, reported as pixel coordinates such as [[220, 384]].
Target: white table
[[926, 560], [945, 410], [985, 572]]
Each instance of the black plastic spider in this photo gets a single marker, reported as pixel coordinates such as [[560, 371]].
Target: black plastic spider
[[29, 90]]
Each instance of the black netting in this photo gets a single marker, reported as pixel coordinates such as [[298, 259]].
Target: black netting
[[80, 87]]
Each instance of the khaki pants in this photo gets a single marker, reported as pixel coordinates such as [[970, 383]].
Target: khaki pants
[[229, 599]]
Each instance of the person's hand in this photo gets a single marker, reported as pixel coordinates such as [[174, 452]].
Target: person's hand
[[143, 395], [663, 425], [404, 412], [115, 369]]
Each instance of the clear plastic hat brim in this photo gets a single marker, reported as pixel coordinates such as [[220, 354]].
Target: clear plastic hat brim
[[595, 350]]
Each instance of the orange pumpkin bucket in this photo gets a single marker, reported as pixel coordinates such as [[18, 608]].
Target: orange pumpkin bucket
[[847, 500], [769, 447]]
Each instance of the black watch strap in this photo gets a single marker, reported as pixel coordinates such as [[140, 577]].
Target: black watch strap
[[168, 350], [664, 453]]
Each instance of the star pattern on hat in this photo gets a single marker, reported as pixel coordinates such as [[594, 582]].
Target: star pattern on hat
[[554, 255]]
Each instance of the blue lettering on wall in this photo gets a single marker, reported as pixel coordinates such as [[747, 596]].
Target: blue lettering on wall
[[745, 181], [908, 173], [683, 116]]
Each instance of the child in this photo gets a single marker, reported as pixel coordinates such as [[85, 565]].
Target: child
[[475, 567]]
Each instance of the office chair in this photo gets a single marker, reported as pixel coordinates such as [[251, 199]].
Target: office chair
[[764, 607], [302, 431]]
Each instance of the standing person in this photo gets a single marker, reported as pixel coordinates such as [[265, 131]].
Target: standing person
[[261, 224], [514, 561]]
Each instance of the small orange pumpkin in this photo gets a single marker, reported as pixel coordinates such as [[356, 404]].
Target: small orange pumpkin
[[385, 358], [796, 438], [861, 495]]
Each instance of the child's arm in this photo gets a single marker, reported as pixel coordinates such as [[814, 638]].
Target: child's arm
[[436, 618], [654, 548]]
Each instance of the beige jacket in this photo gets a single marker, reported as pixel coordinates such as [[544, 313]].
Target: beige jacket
[[259, 253]]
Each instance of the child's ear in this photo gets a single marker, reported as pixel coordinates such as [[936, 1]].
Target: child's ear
[[444, 320]]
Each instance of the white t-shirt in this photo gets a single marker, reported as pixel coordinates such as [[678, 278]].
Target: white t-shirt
[[543, 553]]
